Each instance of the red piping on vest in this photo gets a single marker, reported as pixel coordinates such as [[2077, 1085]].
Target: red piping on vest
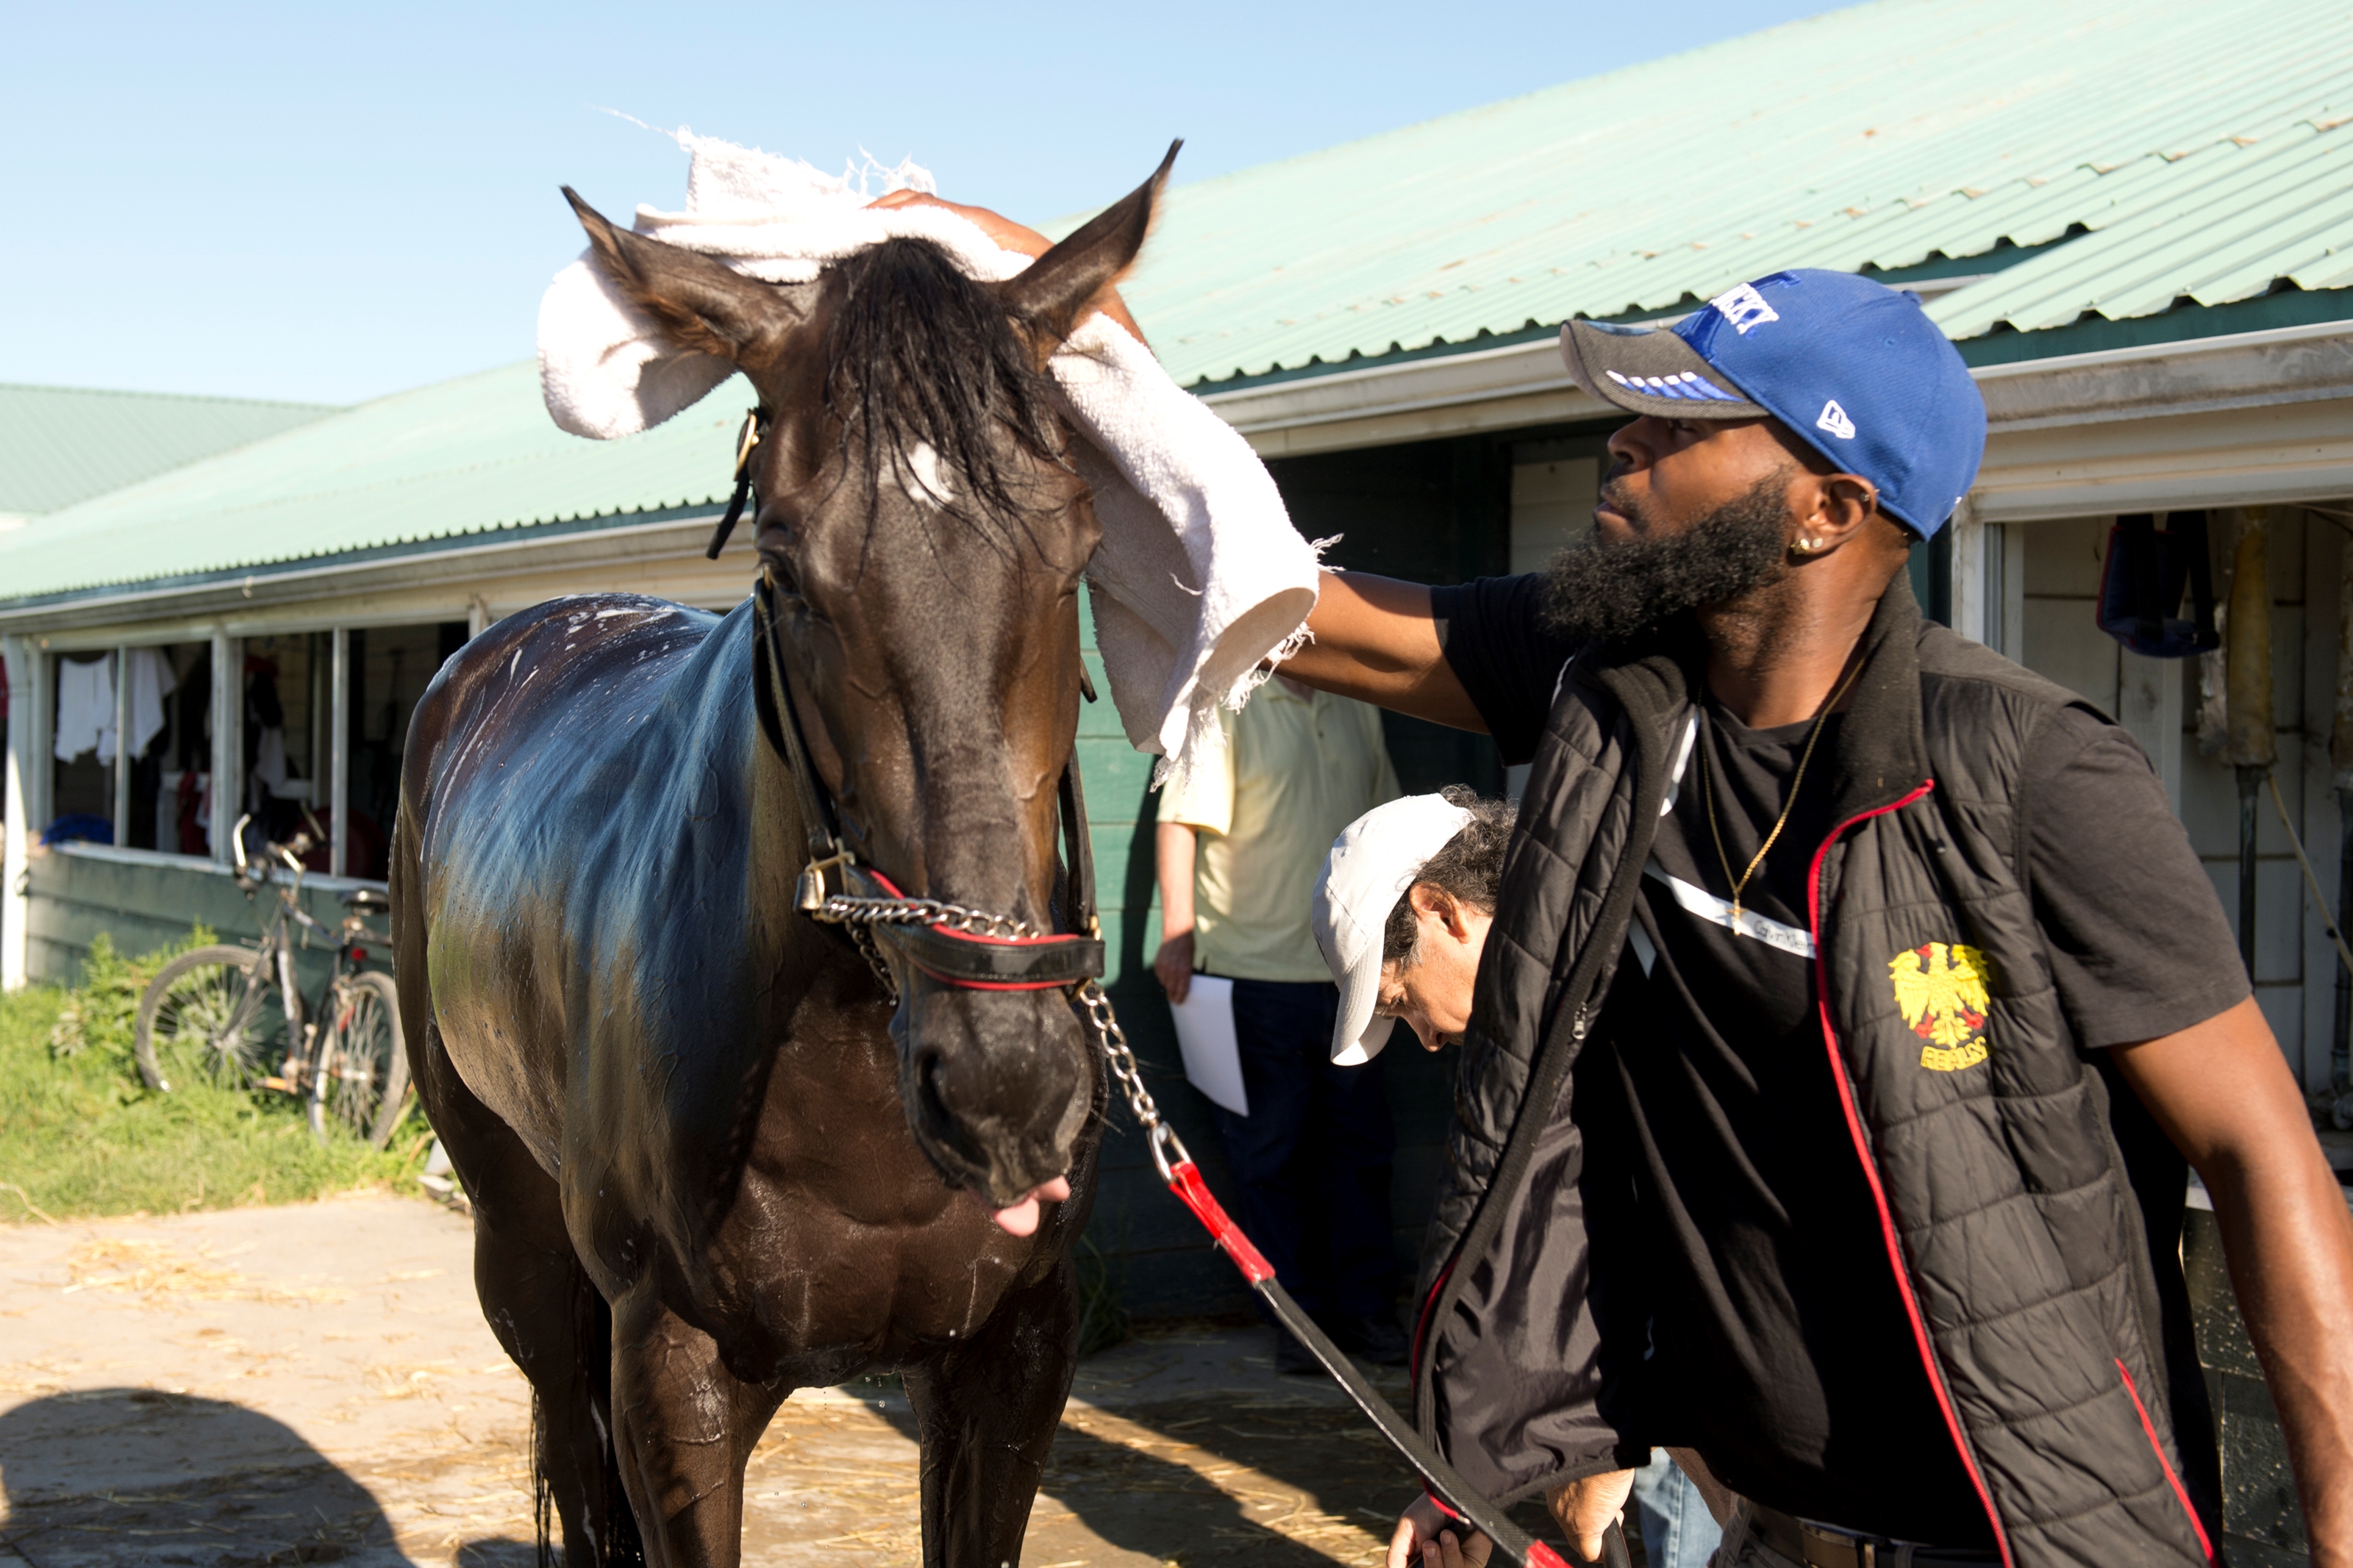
[[1413, 1366], [1421, 1319], [2164, 1463], [1871, 1168]]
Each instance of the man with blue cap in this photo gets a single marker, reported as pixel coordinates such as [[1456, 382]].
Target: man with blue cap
[[1852, 1011], [1851, 1003]]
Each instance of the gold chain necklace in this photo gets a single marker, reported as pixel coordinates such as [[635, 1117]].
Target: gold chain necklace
[[1707, 787]]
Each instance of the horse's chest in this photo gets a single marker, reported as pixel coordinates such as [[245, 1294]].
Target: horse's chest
[[841, 1237]]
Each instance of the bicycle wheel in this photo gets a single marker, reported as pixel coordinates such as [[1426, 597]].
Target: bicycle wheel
[[208, 1016], [362, 1073]]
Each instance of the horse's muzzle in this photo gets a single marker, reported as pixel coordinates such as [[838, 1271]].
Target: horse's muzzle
[[997, 1084]]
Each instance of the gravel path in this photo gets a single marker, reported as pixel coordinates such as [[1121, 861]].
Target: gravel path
[[315, 1385]]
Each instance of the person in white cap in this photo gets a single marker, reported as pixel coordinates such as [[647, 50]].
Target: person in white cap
[[1401, 913]]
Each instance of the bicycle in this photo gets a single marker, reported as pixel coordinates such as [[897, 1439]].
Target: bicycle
[[208, 1010]]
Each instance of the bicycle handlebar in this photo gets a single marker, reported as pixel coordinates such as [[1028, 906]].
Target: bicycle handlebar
[[290, 854]]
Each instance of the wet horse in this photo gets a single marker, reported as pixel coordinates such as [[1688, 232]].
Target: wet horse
[[714, 1154]]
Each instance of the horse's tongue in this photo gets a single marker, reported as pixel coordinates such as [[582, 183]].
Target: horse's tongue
[[1022, 1219]]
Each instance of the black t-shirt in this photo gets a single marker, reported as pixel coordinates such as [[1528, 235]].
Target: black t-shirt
[[1783, 1350]]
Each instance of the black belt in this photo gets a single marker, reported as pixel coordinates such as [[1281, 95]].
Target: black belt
[[1820, 1546]]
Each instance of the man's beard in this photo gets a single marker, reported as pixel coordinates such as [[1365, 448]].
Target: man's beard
[[1613, 588]]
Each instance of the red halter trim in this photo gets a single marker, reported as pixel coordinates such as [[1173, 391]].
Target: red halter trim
[[977, 961]]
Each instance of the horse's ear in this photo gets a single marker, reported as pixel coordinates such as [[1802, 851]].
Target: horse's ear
[[1054, 293], [703, 304]]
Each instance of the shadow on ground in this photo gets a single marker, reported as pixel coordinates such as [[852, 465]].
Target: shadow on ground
[[1263, 1477], [107, 1477]]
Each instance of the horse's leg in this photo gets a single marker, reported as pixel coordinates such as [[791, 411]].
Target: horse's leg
[[540, 1303], [684, 1427], [986, 1412]]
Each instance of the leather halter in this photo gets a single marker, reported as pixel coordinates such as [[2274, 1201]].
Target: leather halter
[[964, 948]]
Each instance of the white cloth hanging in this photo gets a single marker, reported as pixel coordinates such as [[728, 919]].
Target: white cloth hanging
[[1201, 576], [85, 709], [270, 760], [151, 680]]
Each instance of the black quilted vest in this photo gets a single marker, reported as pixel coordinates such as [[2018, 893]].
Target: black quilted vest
[[2008, 1221]]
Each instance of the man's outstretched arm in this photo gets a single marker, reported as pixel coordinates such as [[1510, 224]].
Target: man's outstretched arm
[[1375, 639], [2222, 1092]]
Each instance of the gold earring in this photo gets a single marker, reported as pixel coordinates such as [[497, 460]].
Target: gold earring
[[1809, 546]]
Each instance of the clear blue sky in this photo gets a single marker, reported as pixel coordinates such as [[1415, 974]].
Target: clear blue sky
[[330, 202]]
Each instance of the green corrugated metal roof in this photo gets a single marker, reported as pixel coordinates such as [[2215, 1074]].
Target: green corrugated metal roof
[[2193, 149], [60, 445], [2208, 149], [457, 457]]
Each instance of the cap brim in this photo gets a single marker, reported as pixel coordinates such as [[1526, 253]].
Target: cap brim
[[1648, 370], [1357, 1035]]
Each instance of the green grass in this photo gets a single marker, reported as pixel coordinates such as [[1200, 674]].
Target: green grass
[[80, 1135]]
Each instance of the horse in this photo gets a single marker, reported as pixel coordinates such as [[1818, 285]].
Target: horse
[[717, 1151]]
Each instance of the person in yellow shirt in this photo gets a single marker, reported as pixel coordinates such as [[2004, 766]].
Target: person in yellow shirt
[[1240, 845]]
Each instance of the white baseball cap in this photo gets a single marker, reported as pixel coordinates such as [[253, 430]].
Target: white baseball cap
[[1372, 863]]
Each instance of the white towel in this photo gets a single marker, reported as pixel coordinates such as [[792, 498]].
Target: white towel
[[1201, 576]]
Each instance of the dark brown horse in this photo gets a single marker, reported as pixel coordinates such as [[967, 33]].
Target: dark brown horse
[[712, 1160]]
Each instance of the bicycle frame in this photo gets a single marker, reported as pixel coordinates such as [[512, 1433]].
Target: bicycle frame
[[276, 949]]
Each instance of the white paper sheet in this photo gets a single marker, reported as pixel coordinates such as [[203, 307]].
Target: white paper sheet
[[1205, 1034]]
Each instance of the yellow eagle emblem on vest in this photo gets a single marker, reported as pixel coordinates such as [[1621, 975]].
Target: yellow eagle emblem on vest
[[1941, 989]]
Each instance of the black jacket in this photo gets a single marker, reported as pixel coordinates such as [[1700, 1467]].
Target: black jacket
[[2047, 1304]]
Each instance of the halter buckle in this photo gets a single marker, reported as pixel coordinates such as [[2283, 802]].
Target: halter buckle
[[810, 893]]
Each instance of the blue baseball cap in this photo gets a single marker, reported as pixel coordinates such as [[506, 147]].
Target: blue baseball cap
[[1853, 368]]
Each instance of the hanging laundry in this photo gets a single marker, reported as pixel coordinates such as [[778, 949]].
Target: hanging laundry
[[86, 708], [152, 680], [269, 761]]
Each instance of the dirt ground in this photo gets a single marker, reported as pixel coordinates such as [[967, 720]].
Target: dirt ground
[[315, 1385]]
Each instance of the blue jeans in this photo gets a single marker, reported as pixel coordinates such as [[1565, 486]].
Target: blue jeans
[[1677, 1529], [1310, 1162]]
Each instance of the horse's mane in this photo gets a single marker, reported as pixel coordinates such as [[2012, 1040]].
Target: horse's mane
[[917, 351]]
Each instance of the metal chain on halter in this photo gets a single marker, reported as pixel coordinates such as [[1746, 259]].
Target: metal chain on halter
[[841, 908], [858, 914], [1168, 1151]]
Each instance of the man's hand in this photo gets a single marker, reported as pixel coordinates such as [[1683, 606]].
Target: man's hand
[[1586, 1510], [1174, 966], [1426, 1538], [1006, 235]]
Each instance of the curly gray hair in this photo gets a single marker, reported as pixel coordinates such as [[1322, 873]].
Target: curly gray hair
[[1469, 869]]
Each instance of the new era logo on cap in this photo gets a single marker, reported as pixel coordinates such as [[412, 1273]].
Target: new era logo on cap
[[1744, 308], [1689, 384], [1835, 421]]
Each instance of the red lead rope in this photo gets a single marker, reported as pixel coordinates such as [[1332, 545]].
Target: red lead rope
[[1446, 1489], [1175, 1163], [1195, 1195]]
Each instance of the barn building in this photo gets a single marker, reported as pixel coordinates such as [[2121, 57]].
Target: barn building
[[2135, 221]]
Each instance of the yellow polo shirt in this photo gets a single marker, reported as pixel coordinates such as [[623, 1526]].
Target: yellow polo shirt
[[1296, 771]]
